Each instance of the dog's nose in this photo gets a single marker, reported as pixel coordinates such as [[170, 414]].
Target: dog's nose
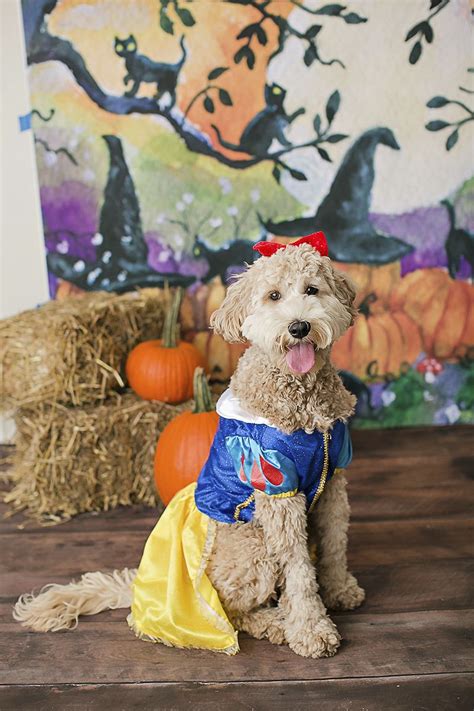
[[299, 329]]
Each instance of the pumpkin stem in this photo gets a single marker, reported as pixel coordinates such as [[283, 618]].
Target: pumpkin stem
[[169, 338], [364, 307], [202, 394]]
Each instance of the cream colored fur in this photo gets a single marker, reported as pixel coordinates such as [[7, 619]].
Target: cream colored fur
[[263, 570]]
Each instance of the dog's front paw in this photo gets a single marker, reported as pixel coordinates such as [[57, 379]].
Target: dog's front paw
[[347, 597], [318, 639]]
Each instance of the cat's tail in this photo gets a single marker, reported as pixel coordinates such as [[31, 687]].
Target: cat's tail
[[226, 144], [184, 50], [58, 607]]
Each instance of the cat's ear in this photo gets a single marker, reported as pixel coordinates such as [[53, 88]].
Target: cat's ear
[[132, 39]]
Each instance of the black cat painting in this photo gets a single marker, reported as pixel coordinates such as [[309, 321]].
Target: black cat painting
[[267, 126], [221, 260], [143, 69]]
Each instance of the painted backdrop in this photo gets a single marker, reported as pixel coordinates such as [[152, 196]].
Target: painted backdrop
[[171, 135]]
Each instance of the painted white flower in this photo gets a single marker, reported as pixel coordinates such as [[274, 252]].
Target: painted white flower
[[97, 239], [233, 210], [121, 276], [62, 247], [126, 239], [106, 257], [160, 219], [430, 377], [226, 185], [180, 206], [255, 195], [388, 397], [105, 282], [79, 266], [427, 396], [50, 158], [215, 221], [164, 256], [188, 198], [453, 413], [92, 276]]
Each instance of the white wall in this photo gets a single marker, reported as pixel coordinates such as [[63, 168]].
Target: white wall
[[23, 279]]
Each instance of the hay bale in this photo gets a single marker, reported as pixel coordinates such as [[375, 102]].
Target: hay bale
[[71, 460], [73, 351]]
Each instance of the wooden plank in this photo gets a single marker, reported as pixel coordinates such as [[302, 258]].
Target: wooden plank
[[423, 585], [431, 585], [435, 692], [102, 650]]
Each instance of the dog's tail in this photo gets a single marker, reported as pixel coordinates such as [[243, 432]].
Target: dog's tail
[[58, 607]]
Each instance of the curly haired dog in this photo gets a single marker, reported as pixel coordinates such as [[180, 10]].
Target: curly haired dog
[[291, 307]]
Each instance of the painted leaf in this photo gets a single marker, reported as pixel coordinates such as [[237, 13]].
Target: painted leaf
[[165, 23], [324, 154], [437, 125], [336, 137], [312, 31], [310, 55], [437, 102], [352, 18], [276, 173], [216, 73], [332, 9], [452, 140], [209, 105], [225, 97], [185, 16], [297, 174], [332, 105], [415, 53]]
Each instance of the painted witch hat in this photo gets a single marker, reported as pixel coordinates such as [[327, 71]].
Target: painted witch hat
[[121, 251], [344, 213]]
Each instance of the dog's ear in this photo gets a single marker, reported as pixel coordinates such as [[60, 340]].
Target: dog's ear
[[228, 319], [343, 287], [346, 291]]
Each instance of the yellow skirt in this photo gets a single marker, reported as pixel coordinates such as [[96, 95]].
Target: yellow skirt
[[173, 600]]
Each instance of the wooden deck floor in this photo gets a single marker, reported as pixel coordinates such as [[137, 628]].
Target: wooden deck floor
[[409, 646]]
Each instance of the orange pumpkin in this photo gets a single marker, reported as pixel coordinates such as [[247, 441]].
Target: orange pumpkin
[[163, 369], [215, 297], [184, 444], [380, 281], [220, 357], [442, 307], [381, 342]]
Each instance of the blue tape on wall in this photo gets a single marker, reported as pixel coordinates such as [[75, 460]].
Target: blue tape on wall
[[25, 122]]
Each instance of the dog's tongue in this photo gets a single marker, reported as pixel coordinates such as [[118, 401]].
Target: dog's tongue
[[300, 358]]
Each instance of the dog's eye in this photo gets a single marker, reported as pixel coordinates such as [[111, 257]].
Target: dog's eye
[[275, 295], [312, 290]]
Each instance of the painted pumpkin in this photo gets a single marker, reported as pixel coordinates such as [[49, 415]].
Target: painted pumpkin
[[216, 296], [377, 343], [184, 444], [442, 307], [163, 369], [220, 357], [380, 281]]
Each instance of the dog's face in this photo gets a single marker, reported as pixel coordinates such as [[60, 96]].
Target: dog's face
[[293, 305]]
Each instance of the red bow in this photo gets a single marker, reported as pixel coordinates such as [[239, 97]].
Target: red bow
[[317, 241]]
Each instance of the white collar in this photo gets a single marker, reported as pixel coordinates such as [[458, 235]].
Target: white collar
[[230, 407]]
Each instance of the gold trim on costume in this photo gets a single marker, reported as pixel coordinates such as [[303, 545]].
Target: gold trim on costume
[[324, 473], [243, 505], [284, 494]]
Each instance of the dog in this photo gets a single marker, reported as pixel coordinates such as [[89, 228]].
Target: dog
[[279, 515]]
